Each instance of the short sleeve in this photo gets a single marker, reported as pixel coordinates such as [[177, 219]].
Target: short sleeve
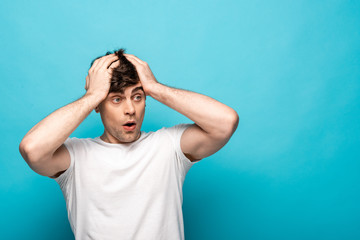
[[175, 132], [63, 179]]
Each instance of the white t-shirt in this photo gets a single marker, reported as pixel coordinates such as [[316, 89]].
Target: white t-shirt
[[126, 191]]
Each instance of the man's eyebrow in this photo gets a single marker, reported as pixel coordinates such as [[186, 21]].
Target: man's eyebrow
[[116, 93], [137, 89]]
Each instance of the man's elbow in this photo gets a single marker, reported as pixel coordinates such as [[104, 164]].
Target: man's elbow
[[228, 126], [27, 151], [233, 123]]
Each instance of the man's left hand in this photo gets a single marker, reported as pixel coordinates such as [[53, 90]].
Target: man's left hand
[[147, 78]]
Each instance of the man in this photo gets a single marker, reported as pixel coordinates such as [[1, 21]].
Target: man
[[126, 184]]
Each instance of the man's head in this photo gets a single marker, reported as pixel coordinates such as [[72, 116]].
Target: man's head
[[124, 73], [123, 110]]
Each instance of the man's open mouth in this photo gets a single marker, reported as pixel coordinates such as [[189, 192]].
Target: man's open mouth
[[129, 126]]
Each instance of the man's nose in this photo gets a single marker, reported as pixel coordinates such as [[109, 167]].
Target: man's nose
[[129, 107]]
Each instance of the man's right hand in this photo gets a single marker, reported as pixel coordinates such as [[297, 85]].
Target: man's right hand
[[99, 76]]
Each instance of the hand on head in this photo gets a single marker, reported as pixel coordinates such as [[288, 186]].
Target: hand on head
[[99, 75], [145, 74]]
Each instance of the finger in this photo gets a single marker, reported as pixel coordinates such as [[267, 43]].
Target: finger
[[98, 62], [134, 62], [134, 58], [94, 65], [114, 64], [108, 61], [87, 82]]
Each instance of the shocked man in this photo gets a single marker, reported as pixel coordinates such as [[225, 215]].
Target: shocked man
[[126, 183]]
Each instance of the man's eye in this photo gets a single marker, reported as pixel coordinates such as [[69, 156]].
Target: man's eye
[[116, 100], [137, 97]]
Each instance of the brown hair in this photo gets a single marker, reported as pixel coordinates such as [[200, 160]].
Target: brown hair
[[124, 75]]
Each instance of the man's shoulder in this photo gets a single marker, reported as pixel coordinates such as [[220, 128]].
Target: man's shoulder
[[78, 140], [178, 127], [173, 131], [169, 128]]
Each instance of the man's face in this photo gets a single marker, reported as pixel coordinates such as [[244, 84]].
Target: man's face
[[122, 114]]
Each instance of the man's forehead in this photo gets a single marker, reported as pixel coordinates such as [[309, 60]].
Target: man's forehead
[[130, 89]]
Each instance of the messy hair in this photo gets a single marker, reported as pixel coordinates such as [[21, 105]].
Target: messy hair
[[124, 75]]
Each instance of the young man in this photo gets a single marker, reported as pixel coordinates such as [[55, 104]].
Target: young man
[[126, 184]]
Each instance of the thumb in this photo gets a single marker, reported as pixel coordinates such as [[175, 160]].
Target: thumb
[[87, 82]]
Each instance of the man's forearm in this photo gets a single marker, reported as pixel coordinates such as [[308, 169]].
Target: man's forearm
[[47, 136], [212, 116]]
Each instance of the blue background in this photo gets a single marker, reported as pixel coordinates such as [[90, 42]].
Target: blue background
[[291, 69]]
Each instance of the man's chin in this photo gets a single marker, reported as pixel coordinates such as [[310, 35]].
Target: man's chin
[[130, 137]]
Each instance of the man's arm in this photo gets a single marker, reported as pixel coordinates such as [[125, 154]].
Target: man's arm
[[42, 147], [215, 122]]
